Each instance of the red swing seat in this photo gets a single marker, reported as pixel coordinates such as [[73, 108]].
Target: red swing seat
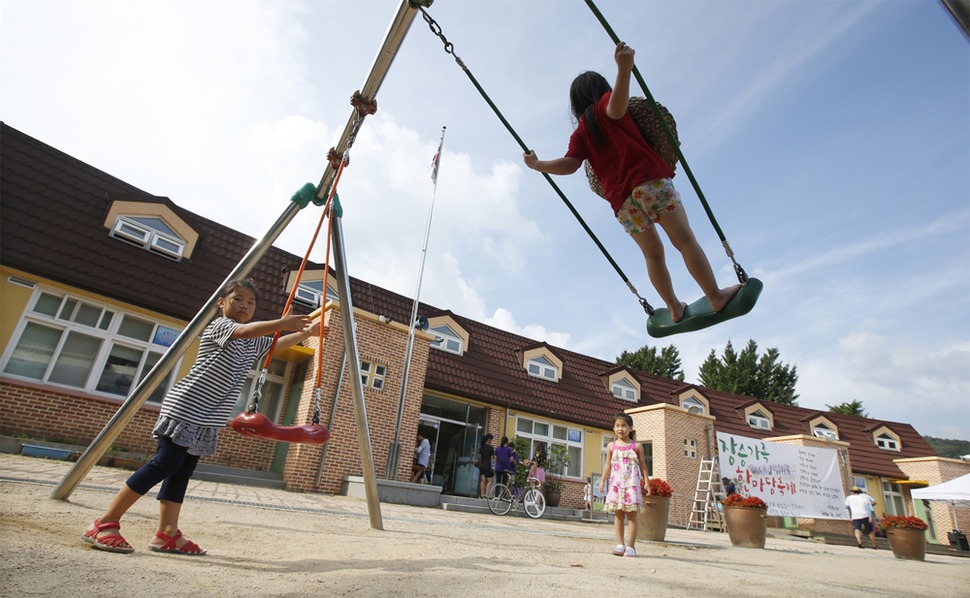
[[257, 425]]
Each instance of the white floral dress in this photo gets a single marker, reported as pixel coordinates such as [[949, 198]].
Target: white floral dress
[[624, 487]]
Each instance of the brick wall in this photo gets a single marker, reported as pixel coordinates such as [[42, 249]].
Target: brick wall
[[936, 470]]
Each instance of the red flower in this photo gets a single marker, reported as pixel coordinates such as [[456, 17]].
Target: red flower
[[750, 502], [895, 521], [658, 487]]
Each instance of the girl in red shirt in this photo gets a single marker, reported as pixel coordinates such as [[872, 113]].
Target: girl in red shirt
[[636, 181]]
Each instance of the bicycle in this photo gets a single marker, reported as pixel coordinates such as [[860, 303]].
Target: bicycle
[[502, 497]]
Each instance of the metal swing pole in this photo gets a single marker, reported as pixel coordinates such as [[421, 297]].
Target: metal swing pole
[[103, 441], [142, 391]]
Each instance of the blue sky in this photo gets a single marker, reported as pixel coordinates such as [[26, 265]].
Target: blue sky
[[831, 138]]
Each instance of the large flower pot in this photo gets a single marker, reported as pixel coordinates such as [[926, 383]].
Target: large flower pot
[[553, 496], [907, 543], [652, 522], [747, 528]]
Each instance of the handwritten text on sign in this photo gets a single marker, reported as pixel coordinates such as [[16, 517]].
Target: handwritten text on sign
[[795, 481]]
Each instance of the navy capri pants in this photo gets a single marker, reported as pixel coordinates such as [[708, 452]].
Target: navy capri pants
[[172, 465]]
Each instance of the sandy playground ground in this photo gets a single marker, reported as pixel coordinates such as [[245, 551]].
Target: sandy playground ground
[[274, 543]]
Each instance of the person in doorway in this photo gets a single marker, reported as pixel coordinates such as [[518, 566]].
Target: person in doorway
[[625, 468], [635, 179], [505, 461], [486, 472], [862, 515], [193, 412], [729, 487], [422, 454]]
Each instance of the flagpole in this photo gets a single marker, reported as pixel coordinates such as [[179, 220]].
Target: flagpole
[[392, 464]]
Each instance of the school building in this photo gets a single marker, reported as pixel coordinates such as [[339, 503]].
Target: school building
[[98, 277]]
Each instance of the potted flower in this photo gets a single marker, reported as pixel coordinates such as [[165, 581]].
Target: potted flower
[[555, 469], [652, 521], [907, 536], [746, 519]]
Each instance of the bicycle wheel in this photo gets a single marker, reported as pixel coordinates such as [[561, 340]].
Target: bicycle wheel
[[534, 503], [499, 499]]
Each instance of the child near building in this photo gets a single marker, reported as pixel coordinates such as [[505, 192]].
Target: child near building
[[625, 467], [192, 414]]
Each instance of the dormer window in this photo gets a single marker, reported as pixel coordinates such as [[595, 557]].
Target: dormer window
[[622, 389], [885, 441], [694, 405], [310, 293], [447, 340], [540, 367], [150, 233], [758, 419], [823, 431]]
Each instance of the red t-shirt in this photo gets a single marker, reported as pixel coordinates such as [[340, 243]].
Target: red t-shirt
[[623, 160]]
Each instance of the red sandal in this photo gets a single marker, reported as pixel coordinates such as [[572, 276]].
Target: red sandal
[[109, 542], [171, 545]]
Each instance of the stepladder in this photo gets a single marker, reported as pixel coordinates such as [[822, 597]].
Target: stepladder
[[704, 512]]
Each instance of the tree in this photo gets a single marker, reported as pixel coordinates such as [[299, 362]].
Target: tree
[[948, 447], [849, 408], [666, 364], [746, 374]]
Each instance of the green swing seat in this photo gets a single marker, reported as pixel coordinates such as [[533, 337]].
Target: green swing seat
[[699, 314]]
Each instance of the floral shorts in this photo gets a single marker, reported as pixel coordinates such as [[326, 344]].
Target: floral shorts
[[646, 204]]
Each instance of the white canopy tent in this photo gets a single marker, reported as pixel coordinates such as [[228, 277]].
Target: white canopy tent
[[956, 492]]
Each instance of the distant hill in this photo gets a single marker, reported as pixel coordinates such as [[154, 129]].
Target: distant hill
[[945, 447]]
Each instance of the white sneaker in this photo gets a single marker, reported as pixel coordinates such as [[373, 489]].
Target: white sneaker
[[630, 552], [618, 551]]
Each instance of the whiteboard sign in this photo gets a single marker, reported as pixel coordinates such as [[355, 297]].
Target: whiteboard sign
[[795, 481]]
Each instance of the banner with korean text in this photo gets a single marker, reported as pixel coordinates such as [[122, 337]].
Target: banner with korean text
[[795, 481]]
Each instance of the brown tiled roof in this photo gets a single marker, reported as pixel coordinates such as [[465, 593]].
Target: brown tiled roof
[[52, 208]]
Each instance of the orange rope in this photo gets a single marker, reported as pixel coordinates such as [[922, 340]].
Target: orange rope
[[289, 302]]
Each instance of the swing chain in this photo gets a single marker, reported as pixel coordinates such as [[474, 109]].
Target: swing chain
[[316, 406], [643, 302], [257, 393], [437, 31]]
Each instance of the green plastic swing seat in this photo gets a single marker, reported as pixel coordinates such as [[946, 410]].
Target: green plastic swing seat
[[699, 314]]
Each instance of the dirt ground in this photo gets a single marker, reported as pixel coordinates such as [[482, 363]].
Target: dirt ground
[[327, 547]]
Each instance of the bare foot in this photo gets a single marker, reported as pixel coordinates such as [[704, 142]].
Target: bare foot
[[678, 315], [724, 297]]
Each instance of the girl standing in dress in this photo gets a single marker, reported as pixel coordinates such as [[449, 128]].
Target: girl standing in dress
[[193, 412], [625, 468]]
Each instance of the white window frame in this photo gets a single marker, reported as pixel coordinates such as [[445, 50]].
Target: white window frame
[[623, 390], [759, 421], [373, 375], [554, 434], [887, 442], [541, 367], [449, 341], [148, 238], [105, 330], [690, 448], [820, 430], [311, 296], [693, 402], [893, 501]]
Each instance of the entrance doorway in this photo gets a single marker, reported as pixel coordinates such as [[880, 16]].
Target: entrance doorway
[[454, 430]]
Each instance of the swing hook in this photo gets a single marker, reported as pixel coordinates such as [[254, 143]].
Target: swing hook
[[257, 393]]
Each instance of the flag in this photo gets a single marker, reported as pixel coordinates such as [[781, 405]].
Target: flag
[[437, 158]]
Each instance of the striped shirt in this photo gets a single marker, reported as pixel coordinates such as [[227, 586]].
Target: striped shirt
[[207, 394]]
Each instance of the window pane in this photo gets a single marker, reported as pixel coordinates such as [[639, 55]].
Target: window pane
[[106, 319], [559, 432], [47, 304], [76, 359], [68, 310], [277, 367], [88, 315], [541, 429], [159, 393], [575, 461], [119, 371], [135, 328], [33, 352], [524, 425]]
